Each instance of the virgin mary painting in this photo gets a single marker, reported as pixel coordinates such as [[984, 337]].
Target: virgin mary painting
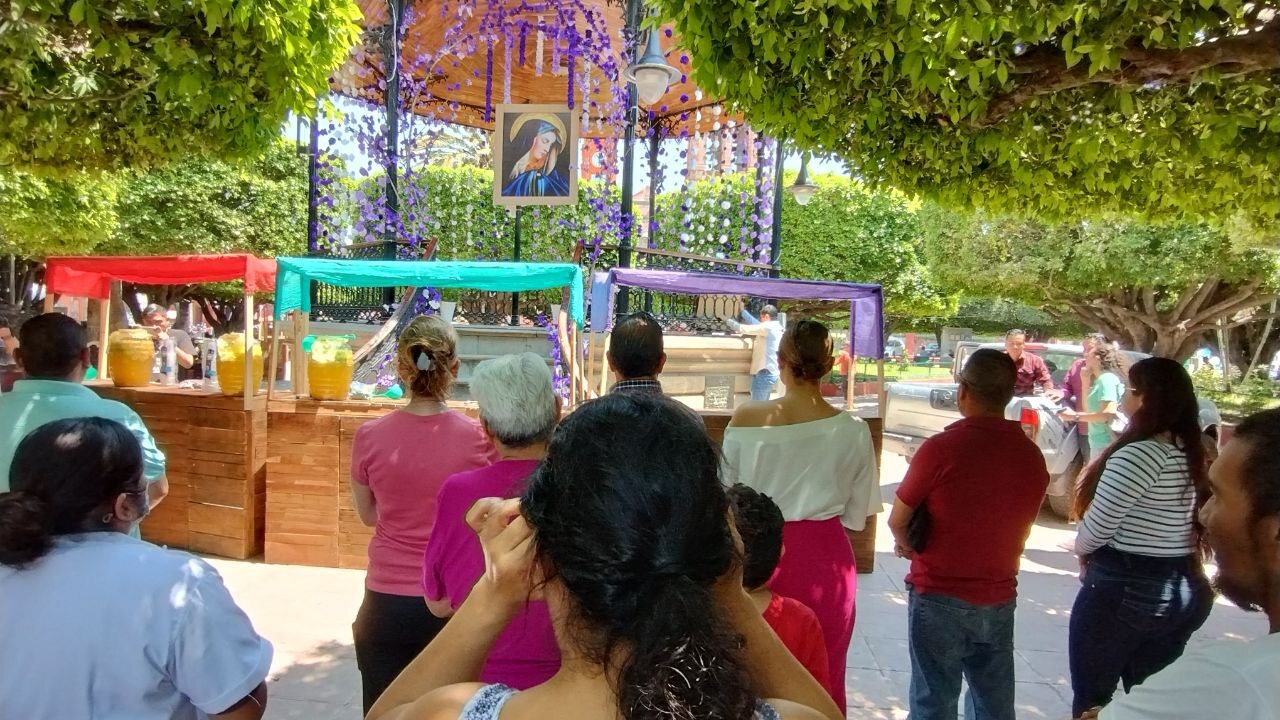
[[534, 162]]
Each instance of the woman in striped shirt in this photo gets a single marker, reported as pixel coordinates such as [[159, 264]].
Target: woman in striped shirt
[[1143, 590]]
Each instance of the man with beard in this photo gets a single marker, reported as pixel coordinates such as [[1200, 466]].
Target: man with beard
[[1242, 524]]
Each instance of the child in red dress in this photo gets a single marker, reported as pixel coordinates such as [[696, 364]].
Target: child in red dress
[[759, 522]]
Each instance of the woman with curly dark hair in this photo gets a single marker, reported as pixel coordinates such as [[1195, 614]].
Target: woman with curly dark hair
[[625, 532], [1102, 385], [1144, 590]]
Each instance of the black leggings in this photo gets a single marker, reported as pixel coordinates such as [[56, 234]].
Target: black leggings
[[390, 631]]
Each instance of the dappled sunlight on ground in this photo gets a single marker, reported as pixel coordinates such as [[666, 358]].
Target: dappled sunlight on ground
[[307, 614]]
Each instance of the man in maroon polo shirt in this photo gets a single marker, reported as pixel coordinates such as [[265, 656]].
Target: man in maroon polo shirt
[[1030, 368], [979, 484]]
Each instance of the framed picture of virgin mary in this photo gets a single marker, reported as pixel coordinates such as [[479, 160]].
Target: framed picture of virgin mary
[[535, 155]]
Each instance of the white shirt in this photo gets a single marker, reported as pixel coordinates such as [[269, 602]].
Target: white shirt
[[815, 470], [764, 355], [112, 628], [1224, 679]]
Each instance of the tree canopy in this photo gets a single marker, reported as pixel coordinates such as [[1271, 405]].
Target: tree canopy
[[1156, 288], [86, 84], [1169, 109], [45, 216], [851, 234]]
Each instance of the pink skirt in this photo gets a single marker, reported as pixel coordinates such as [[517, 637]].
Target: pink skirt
[[817, 568]]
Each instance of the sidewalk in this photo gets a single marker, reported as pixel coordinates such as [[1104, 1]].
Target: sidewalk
[[307, 614]]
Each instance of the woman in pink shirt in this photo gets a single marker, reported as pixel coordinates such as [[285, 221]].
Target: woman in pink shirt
[[518, 411], [398, 464]]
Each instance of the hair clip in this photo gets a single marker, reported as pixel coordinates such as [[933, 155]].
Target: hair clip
[[424, 360]]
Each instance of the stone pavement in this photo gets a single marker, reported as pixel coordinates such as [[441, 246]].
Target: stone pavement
[[307, 614]]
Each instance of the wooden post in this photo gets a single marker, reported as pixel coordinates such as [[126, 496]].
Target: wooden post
[[275, 358], [104, 331], [882, 394], [573, 363], [604, 364], [250, 383], [49, 301], [851, 378], [591, 362], [300, 329]]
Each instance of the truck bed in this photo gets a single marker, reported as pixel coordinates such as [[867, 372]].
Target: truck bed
[[915, 411]]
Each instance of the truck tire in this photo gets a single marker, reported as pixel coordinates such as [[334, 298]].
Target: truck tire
[[1062, 489], [1060, 505]]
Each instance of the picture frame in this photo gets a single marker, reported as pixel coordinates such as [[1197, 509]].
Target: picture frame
[[535, 155]]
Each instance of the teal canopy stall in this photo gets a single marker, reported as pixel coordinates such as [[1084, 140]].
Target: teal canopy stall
[[295, 275]]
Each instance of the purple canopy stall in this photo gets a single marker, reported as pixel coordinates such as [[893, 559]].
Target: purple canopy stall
[[866, 301]]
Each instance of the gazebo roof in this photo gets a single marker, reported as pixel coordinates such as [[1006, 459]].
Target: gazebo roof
[[457, 82]]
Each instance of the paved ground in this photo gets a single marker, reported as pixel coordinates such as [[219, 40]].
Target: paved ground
[[307, 613]]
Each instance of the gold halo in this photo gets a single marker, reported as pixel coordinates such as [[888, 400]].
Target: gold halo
[[549, 118]]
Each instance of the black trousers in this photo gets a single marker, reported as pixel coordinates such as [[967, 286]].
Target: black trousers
[[390, 631]]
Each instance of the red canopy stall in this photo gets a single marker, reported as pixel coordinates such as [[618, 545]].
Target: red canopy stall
[[215, 446], [91, 276]]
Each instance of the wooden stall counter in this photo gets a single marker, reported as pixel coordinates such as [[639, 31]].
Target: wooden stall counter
[[215, 456], [310, 516]]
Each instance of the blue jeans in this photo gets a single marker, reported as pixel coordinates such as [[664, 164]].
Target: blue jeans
[[951, 639], [1132, 617], [762, 384]]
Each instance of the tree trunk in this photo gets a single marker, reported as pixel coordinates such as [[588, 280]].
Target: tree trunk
[[1225, 352], [1259, 342], [1150, 320]]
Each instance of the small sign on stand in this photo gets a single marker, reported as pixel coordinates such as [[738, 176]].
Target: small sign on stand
[[717, 392]]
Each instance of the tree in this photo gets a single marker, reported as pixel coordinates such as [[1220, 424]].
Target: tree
[[1165, 108], [42, 216], [212, 206], [86, 84], [849, 233], [1156, 288]]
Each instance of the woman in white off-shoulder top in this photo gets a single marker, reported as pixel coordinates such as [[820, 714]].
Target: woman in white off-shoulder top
[[818, 465]]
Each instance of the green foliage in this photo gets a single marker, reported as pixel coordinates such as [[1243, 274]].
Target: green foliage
[[46, 216], [1015, 257], [88, 84], [1157, 287], [1051, 108], [852, 234], [1240, 398], [212, 206]]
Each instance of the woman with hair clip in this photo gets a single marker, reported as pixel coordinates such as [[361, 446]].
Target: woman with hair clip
[[624, 531], [819, 466], [95, 623], [398, 464], [1102, 382], [1143, 588]]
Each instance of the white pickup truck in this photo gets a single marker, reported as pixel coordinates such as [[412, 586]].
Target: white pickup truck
[[916, 411]]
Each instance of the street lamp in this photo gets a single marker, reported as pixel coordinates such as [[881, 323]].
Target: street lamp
[[651, 74], [803, 190]]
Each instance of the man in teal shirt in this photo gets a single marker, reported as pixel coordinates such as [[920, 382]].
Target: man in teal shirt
[[53, 353]]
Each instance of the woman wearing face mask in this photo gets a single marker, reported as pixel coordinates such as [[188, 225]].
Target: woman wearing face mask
[[96, 623]]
